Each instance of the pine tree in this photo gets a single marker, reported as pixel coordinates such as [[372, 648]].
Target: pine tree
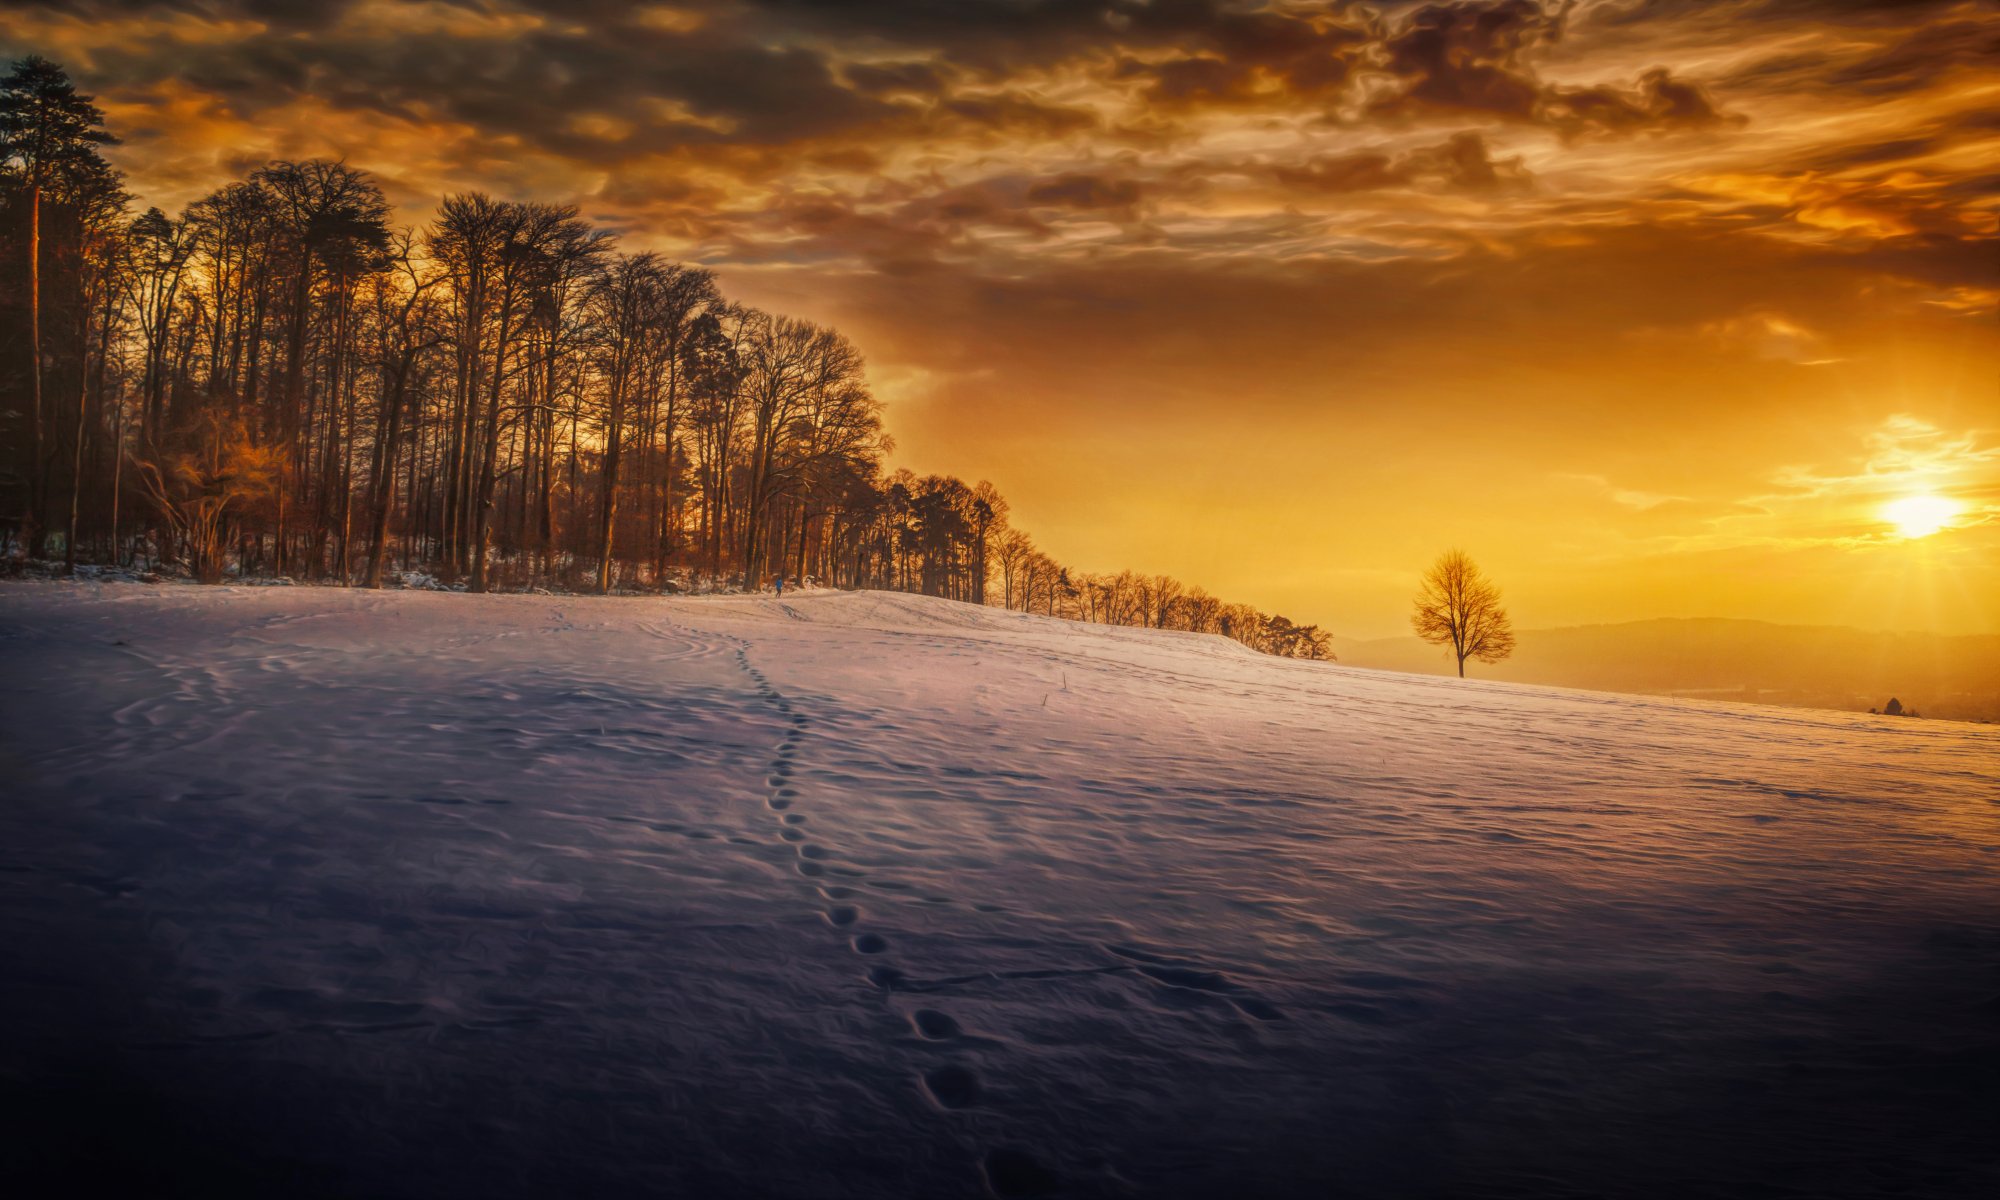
[[49, 135]]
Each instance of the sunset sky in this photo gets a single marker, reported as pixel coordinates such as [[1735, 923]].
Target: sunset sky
[[1653, 306]]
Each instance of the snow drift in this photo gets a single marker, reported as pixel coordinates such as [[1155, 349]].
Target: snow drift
[[343, 893]]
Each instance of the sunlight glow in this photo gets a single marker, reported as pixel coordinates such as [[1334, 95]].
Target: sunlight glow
[[1920, 516]]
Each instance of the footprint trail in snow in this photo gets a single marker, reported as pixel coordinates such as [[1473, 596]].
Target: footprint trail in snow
[[952, 1086]]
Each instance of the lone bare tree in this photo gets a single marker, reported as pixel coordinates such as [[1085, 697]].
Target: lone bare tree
[[1458, 607]]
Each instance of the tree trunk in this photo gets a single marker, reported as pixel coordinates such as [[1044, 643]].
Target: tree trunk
[[482, 515], [609, 516], [385, 487], [31, 531], [75, 481], [117, 473]]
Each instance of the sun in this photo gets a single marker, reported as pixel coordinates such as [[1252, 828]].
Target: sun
[[1919, 516]]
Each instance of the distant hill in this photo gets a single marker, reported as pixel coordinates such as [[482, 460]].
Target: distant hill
[[1815, 666]]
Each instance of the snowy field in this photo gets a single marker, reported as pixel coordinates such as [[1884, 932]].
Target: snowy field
[[326, 892]]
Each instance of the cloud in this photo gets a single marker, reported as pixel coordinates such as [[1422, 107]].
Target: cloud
[[1659, 102], [1760, 332], [1568, 233], [1470, 58], [1085, 191], [1478, 58], [1464, 161], [1904, 455], [914, 78], [1632, 498], [1884, 51]]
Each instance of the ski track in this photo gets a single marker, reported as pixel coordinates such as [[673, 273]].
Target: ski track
[[862, 894]]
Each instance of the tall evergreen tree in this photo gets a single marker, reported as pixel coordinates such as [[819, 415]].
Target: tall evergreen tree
[[49, 134]]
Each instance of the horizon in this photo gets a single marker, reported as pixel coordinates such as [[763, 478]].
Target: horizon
[[1798, 625], [1194, 284]]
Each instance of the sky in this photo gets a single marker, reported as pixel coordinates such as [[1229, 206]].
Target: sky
[[1652, 306]]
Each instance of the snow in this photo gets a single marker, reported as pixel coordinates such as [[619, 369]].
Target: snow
[[338, 892]]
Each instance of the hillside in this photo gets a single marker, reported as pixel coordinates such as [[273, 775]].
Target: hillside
[[1956, 678], [330, 892]]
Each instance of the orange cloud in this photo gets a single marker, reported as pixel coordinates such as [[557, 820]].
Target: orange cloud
[[1279, 298]]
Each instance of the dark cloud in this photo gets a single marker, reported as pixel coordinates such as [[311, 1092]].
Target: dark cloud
[[909, 78], [1470, 58], [531, 85], [1085, 192], [1365, 171], [665, 107], [289, 15], [1765, 12], [1885, 61], [1659, 102], [730, 84], [904, 226], [1478, 58], [1261, 57], [1463, 162], [1017, 112]]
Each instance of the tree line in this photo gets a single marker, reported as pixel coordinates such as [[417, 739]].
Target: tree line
[[282, 381]]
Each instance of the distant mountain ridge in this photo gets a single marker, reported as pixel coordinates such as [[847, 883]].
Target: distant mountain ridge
[[1819, 666]]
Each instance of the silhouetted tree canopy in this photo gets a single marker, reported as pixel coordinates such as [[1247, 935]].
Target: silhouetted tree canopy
[[280, 381]]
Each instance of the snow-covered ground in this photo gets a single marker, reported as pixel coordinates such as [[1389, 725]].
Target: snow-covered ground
[[310, 891]]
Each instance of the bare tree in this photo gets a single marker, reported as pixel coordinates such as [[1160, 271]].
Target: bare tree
[[407, 325], [162, 247], [1011, 551], [500, 397], [1458, 607]]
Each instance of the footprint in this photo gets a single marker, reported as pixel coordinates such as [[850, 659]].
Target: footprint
[[795, 819], [870, 943], [811, 869], [933, 1024], [809, 850], [792, 835], [843, 914], [779, 803], [1011, 1172], [952, 1086], [886, 978]]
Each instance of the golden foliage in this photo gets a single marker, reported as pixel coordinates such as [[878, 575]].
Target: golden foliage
[[1458, 607], [203, 476]]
